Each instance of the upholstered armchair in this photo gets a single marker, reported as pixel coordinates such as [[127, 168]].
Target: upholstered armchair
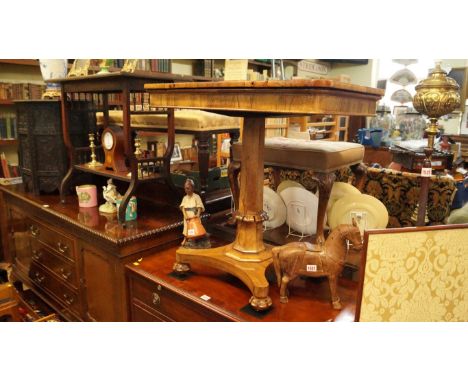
[[399, 192]]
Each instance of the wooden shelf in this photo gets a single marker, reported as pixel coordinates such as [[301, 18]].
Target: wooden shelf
[[7, 102], [291, 62], [260, 63], [21, 62], [119, 175], [320, 124], [268, 64], [8, 142]]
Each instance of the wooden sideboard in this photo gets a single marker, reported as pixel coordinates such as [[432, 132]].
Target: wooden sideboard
[[207, 294], [74, 258], [380, 155]]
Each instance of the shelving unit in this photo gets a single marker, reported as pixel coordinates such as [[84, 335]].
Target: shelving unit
[[334, 130], [28, 62], [95, 90]]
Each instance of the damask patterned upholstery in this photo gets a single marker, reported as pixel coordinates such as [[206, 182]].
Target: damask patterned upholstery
[[399, 192], [426, 279]]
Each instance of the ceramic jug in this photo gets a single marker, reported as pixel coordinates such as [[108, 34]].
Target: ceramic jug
[[87, 195]]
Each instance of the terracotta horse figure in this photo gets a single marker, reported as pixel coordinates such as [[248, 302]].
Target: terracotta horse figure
[[306, 259]]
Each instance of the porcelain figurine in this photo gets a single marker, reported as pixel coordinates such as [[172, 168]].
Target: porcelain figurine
[[111, 195], [195, 235]]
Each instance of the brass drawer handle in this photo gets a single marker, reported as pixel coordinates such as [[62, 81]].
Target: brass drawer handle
[[34, 229], [65, 274], [36, 255], [38, 278], [68, 299], [156, 298], [62, 247]]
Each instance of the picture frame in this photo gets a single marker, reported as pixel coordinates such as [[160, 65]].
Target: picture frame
[[129, 65], [176, 154], [152, 147], [399, 109], [79, 68], [235, 70], [460, 75], [464, 123], [226, 145]]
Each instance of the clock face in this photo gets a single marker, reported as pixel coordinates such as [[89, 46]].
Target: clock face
[[108, 140]]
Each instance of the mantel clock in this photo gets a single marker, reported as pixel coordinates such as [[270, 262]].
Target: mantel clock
[[113, 146]]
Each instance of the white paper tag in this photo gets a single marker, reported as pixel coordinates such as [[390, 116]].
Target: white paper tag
[[205, 297], [311, 268], [191, 232], [426, 171]]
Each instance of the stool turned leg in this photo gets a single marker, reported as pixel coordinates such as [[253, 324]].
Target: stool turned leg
[[325, 184], [359, 170]]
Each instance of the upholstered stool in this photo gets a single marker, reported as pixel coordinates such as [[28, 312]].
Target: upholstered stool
[[197, 122], [322, 157]]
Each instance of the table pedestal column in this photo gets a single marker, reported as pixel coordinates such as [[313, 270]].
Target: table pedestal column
[[247, 258]]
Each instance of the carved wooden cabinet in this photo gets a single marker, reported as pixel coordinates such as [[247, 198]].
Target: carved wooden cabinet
[[42, 154], [74, 258]]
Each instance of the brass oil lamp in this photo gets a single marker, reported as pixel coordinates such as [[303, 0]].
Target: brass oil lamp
[[437, 95]]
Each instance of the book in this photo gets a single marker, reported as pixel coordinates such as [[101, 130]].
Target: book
[[3, 131], [6, 170]]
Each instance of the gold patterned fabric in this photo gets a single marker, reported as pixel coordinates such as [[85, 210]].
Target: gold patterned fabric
[[416, 276]]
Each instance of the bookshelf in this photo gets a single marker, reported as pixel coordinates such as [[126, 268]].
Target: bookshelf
[[27, 62], [96, 91], [19, 78], [330, 128]]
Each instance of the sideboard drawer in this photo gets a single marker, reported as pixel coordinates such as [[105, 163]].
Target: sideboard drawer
[[63, 268], [57, 241], [142, 313], [50, 285], [169, 303]]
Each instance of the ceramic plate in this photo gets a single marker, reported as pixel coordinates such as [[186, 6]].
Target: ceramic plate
[[301, 207], [275, 208], [287, 183], [339, 190], [376, 215]]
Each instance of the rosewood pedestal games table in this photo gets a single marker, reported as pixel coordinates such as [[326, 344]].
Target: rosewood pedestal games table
[[248, 257]]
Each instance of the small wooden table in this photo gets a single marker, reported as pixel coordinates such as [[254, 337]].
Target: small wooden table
[[247, 257]]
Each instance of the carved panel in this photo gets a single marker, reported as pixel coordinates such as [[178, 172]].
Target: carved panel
[[51, 155], [43, 156], [24, 151], [46, 117]]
